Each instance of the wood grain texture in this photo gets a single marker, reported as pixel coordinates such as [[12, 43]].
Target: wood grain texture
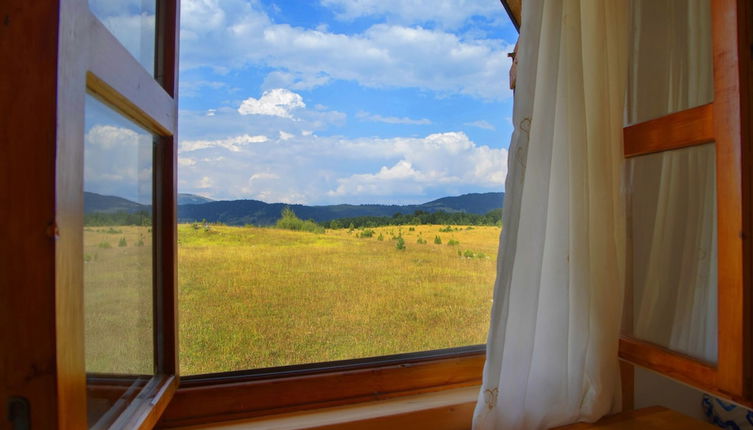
[[445, 410], [653, 418], [27, 255], [221, 402], [734, 367], [678, 130]]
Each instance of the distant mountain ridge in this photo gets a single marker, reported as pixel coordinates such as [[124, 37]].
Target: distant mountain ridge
[[241, 212]]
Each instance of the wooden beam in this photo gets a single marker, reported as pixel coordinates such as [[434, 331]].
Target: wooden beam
[[513, 8], [678, 130]]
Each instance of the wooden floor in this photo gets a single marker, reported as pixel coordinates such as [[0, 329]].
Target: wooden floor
[[652, 418]]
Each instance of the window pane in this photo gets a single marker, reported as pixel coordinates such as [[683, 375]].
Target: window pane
[[670, 63], [132, 23], [393, 121], [673, 272], [118, 303]]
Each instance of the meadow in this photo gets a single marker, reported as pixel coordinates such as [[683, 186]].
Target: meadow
[[253, 297]]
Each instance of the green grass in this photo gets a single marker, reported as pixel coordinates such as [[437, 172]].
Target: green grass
[[261, 297]]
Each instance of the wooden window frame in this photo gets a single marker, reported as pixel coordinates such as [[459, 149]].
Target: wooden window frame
[[726, 122], [73, 54]]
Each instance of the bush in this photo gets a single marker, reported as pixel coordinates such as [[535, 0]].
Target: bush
[[141, 241], [453, 242], [421, 241], [411, 229], [366, 233], [104, 245], [113, 231], [400, 244], [437, 240], [290, 221], [381, 237], [447, 229], [468, 253], [122, 242]]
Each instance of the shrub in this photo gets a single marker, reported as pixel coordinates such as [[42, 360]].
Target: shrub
[[87, 258], [468, 253], [141, 241], [113, 231], [460, 253], [122, 242], [381, 237], [421, 241], [445, 230], [104, 245], [437, 240], [367, 233], [400, 244], [411, 229], [453, 242], [290, 221]]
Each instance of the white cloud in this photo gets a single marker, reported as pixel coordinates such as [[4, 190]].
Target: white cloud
[[446, 13], [186, 162], [233, 144], [366, 116], [321, 170], [286, 136], [481, 124], [233, 34], [277, 102]]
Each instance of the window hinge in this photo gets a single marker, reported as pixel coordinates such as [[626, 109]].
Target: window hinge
[[18, 413]]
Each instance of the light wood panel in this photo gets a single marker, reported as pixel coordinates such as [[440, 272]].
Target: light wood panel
[[653, 418]]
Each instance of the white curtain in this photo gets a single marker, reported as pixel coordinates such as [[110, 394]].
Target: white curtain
[[552, 347], [672, 273]]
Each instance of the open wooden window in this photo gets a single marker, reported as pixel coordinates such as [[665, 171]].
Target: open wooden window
[[689, 157], [97, 352]]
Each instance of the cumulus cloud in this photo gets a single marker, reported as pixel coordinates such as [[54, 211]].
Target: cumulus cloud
[[366, 116], [481, 124], [322, 170], [235, 33], [277, 102], [118, 162], [233, 144]]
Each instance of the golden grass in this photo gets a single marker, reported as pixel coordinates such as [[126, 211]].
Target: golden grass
[[261, 297]]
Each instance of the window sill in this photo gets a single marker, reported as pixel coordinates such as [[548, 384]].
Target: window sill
[[443, 410]]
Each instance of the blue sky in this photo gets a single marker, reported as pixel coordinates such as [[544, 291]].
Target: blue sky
[[343, 101]]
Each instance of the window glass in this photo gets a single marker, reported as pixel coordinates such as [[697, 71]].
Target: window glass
[[670, 58], [132, 22], [341, 169], [673, 250], [118, 260]]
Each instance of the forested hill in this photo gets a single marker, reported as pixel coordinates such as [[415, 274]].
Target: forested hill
[[241, 212]]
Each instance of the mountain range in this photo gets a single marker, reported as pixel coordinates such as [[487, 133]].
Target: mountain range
[[192, 208]]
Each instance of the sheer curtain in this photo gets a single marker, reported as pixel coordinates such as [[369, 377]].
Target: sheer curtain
[[672, 225], [552, 348]]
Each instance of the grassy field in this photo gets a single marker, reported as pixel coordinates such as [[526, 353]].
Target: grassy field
[[118, 299], [259, 297]]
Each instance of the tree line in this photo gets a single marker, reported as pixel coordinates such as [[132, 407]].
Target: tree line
[[493, 217]]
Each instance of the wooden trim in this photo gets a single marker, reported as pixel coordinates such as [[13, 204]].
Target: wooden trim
[[678, 130], [445, 410], [733, 368], [28, 115], [667, 362], [222, 402], [120, 79]]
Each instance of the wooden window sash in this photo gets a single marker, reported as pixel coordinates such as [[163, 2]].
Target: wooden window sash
[[725, 122]]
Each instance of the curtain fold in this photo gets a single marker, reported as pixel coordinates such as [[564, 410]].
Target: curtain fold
[[552, 347]]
